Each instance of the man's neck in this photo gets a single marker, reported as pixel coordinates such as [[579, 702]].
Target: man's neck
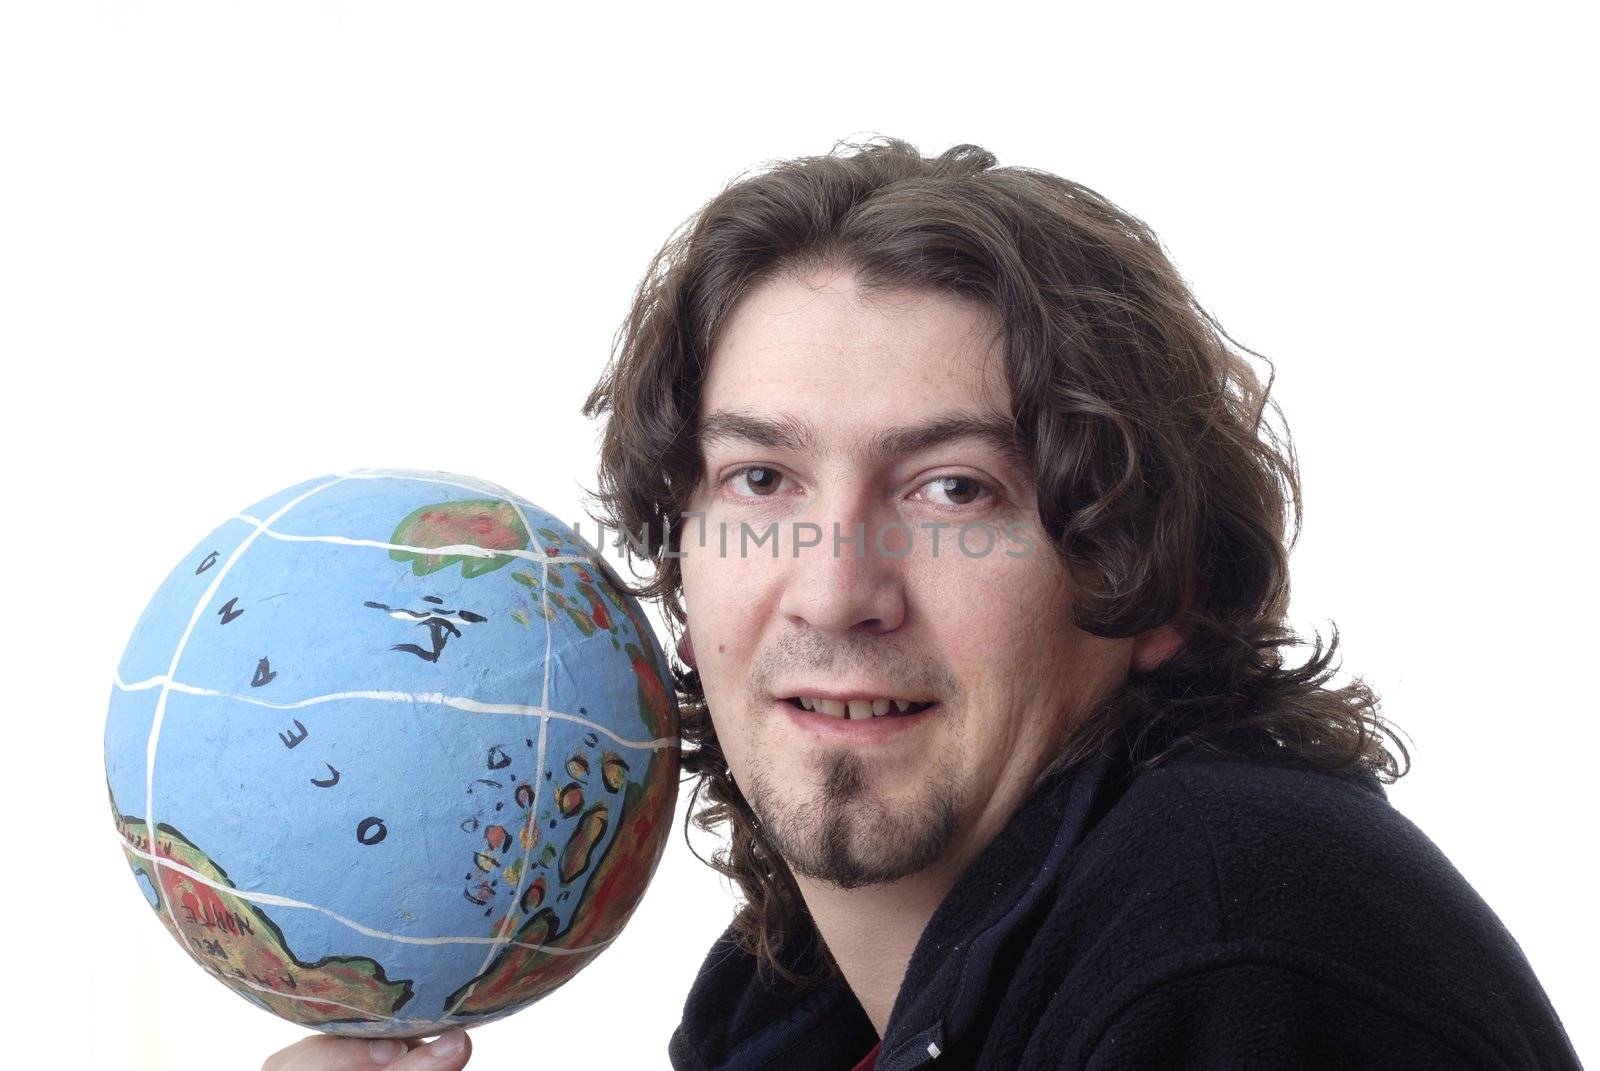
[[872, 932]]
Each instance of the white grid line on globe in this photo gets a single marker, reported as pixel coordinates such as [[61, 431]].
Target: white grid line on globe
[[477, 486], [538, 784], [471, 550], [166, 689], [471, 706], [419, 1027], [274, 900], [538, 769], [371, 1016]]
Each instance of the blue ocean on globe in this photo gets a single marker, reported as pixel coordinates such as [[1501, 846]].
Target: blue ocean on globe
[[408, 750]]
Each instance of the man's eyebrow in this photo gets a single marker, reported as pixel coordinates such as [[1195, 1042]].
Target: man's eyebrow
[[791, 433]]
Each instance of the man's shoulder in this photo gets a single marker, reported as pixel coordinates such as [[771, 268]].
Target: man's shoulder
[[1278, 851], [1208, 849], [1226, 869], [1254, 816], [1276, 848]]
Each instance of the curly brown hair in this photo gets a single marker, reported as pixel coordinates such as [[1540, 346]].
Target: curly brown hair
[[1159, 479]]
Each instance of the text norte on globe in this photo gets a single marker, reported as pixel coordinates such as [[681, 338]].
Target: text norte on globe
[[895, 540]]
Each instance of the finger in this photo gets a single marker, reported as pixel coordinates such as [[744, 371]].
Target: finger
[[450, 1051], [323, 1052]]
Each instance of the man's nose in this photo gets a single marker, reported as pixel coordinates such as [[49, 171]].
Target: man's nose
[[844, 572]]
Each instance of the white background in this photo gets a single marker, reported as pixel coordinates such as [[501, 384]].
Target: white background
[[242, 245]]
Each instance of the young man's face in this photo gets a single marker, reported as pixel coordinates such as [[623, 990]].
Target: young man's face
[[807, 376]]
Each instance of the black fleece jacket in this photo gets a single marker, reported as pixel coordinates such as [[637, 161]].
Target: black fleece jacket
[[1208, 913]]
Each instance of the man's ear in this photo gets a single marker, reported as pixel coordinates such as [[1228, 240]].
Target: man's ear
[[686, 649], [1152, 648]]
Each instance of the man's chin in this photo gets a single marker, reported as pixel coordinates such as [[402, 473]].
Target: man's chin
[[858, 843]]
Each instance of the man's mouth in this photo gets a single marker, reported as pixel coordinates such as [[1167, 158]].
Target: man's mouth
[[858, 709]]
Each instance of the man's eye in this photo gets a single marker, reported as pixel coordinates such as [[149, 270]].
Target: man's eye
[[758, 480], [960, 490], [762, 481]]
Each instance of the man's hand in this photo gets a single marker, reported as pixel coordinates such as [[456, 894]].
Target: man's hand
[[449, 1052]]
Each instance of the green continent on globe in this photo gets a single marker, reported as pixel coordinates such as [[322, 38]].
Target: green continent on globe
[[232, 939], [523, 971], [488, 523]]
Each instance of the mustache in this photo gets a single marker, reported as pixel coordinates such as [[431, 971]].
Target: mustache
[[808, 655]]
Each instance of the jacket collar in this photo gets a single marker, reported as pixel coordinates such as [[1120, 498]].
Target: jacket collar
[[733, 1021]]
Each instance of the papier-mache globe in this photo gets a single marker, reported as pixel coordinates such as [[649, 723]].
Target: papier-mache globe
[[390, 750]]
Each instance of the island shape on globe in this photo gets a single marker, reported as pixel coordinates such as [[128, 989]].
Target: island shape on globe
[[391, 751]]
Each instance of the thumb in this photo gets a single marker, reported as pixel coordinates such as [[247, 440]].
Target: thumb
[[450, 1051]]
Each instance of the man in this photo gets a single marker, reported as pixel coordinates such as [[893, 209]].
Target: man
[[976, 537], [861, 353]]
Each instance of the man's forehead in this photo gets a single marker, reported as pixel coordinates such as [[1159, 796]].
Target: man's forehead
[[779, 430], [805, 332]]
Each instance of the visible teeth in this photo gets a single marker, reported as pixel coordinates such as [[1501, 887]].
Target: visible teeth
[[853, 708]]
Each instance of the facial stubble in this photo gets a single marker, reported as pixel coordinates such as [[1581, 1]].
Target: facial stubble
[[844, 832]]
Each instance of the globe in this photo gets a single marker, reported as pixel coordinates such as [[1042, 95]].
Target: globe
[[391, 751]]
